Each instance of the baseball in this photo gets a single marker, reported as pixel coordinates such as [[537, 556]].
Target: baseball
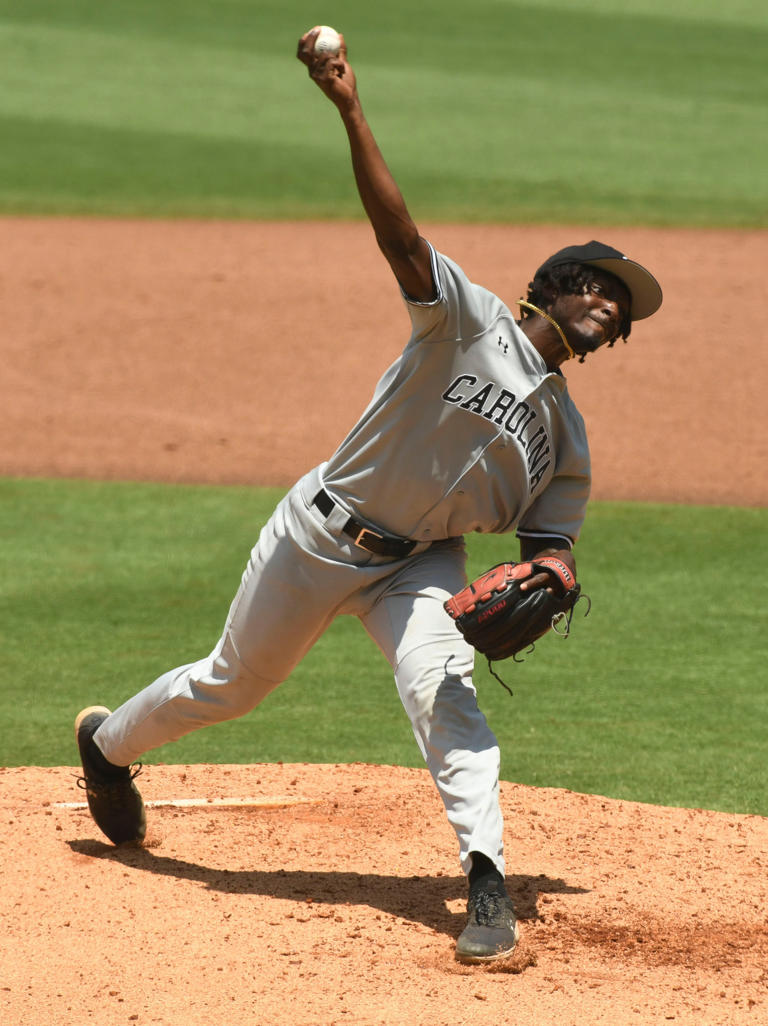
[[328, 40]]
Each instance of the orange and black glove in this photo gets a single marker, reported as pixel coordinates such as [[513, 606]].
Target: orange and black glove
[[500, 620]]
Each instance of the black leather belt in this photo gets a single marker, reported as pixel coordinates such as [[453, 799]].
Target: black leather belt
[[363, 536]]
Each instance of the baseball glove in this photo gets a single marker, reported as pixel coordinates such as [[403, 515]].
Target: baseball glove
[[499, 620]]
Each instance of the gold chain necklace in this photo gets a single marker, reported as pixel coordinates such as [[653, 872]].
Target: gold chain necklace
[[552, 321]]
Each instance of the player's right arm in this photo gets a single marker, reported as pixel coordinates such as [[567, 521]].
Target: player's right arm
[[398, 237]]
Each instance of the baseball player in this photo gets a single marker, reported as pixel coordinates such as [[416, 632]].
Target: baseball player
[[471, 429]]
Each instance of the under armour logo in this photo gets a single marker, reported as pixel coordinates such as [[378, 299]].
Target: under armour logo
[[503, 346]]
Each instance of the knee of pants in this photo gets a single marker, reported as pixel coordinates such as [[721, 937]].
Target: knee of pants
[[223, 687], [441, 703]]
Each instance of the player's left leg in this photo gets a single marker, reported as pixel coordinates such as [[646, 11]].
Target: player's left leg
[[433, 671]]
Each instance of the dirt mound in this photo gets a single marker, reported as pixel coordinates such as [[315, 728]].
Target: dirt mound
[[330, 894], [324, 895]]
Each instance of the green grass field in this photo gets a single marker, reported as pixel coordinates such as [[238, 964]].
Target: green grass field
[[647, 112], [658, 696], [556, 110]]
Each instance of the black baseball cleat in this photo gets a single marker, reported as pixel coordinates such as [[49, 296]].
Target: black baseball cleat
[[492, 930], [113, 798]]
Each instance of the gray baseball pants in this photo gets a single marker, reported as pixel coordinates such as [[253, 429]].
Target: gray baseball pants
[[302, 573]]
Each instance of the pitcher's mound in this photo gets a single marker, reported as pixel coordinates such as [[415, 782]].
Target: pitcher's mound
[[331, 894]]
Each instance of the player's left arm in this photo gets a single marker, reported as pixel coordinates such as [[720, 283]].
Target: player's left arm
[[533, 549], [551, 525]]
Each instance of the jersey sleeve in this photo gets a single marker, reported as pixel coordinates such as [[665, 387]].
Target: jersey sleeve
[[461, 309], [558, 512], [560, 509]]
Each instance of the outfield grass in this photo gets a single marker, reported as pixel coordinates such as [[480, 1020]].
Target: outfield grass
[[605, 111], [610, 111], [658, 696]]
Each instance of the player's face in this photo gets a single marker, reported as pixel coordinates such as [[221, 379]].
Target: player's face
[[593, 317]]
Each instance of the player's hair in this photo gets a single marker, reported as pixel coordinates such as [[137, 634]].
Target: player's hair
[[566, 279]]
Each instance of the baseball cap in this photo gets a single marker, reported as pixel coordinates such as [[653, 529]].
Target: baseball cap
[[644, 289]]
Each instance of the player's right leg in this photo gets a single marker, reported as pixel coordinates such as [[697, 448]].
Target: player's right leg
[[113, 798], [286, 599]]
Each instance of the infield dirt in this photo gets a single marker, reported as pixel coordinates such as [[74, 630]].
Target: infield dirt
[[242, 353]]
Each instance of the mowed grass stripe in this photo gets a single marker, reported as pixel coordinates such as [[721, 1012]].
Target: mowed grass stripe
[[523, 112], [657, 696]]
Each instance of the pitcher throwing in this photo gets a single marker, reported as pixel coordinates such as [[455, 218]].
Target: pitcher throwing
[[471, 429]]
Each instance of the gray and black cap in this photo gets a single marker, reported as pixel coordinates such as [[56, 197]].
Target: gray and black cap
[[644, 289]]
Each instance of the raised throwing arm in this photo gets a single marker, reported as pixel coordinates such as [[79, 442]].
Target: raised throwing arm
[[397, 235]]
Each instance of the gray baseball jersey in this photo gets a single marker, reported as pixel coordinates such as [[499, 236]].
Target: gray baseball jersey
[[467, 430]]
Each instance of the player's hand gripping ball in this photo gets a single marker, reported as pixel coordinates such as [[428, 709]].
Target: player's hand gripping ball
[[328, 40]]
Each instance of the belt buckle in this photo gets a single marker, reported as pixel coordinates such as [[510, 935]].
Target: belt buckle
[[360, 539]]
